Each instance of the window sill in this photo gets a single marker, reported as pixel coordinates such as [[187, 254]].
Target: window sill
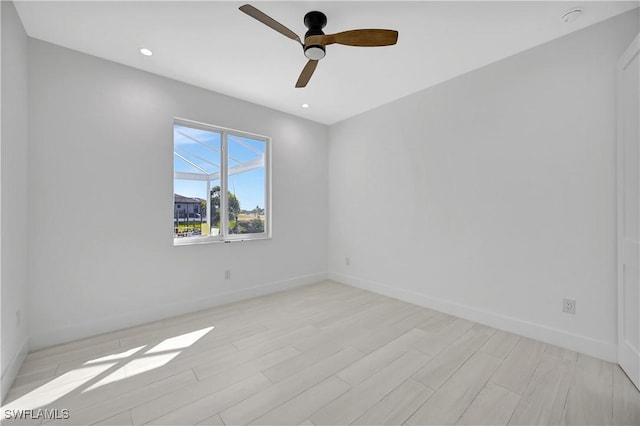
[[188, 241]]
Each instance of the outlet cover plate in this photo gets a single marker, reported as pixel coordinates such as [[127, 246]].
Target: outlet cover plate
[[569, 306]]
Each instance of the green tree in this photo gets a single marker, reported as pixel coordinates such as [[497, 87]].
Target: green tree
[[234, 208]]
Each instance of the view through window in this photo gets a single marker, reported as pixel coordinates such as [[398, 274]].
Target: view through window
[[220, 185]]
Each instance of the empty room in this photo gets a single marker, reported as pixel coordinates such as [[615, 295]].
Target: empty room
[[320, 212]]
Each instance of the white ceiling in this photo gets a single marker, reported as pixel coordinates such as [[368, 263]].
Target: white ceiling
[[215, 46]]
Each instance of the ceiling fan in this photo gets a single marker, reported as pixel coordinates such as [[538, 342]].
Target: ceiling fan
[[315, 39]]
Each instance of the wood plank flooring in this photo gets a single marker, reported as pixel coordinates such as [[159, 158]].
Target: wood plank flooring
[[325, 354]]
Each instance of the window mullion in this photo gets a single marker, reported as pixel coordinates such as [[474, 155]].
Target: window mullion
[[208, 207], [224, 191]]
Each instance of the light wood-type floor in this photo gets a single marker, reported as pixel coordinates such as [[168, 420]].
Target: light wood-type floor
[[324, 354]]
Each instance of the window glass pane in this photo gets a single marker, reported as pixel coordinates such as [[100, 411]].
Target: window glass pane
[[188, 216], [246, 185], [196, 165], [196, 151]]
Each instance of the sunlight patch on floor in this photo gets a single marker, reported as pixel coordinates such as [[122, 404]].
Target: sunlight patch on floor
[[133, 362], [114, 357], [152, 359], [148, 363], [58, 387], [180, 342]]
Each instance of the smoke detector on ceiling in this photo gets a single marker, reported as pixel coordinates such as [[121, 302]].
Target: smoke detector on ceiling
[[571, 15]]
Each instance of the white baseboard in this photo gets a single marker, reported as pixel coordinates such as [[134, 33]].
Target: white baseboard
[[10, 374], [582, 344], [46, 338]]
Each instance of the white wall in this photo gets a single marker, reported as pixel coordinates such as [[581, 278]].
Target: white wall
[[492, 195], [100, 143], [13, 199]]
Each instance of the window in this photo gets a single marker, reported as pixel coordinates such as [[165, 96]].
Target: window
[[221, 184]]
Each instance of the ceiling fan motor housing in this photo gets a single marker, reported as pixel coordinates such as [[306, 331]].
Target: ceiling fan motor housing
[[315, 21]]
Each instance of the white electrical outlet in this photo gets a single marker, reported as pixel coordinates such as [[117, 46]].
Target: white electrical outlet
[[347, 261], [569, 306], [227, 274]]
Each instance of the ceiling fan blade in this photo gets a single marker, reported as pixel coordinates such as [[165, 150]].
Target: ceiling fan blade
[[306, 73], [360, 38], [269, 22]]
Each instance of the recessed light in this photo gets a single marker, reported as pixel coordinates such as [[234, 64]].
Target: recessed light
[[571, 15], [146, 52], [305, 105]]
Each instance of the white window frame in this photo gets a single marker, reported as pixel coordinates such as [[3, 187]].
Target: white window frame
[[224, 236]]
